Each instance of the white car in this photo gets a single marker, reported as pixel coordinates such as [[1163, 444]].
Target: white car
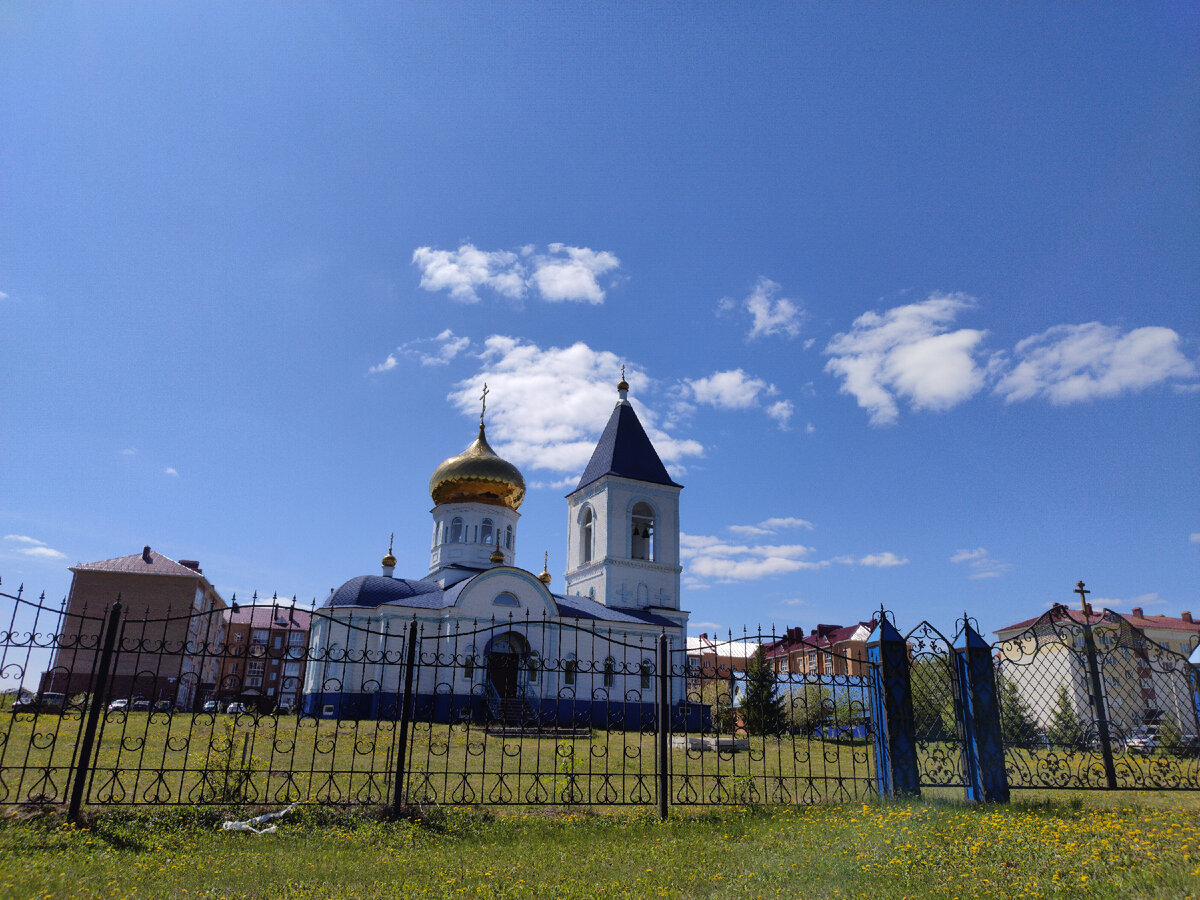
[[121, 705], [1143, 739]]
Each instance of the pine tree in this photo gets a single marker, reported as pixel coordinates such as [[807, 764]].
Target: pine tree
[[1065, 728], [1018, 726], [762, 709]]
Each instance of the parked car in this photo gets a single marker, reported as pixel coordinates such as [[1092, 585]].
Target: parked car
[[121, 705], [210, 706], [139, 704], [40, 703], [164, 706], [236, 707], [1143, 739]]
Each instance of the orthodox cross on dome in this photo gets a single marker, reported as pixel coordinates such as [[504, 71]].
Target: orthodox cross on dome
[[391, 540], [483, 400], [1082, 592]]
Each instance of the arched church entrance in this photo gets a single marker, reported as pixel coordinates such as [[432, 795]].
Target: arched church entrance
[[505, 655]]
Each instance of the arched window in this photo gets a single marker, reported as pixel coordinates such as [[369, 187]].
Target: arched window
[[469, 663], [487, 531], [508, 538], [456, 530], [644, 670], [610, 672], [642, 546], [586, 528], [569, 669], [533, 665], [506, 599]]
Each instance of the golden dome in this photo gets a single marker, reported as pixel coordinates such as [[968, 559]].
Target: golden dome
[[477, 475], [544, 578], [497, 556], [389, 561]]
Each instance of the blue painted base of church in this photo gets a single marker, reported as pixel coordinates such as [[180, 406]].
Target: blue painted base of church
[[549, 712]]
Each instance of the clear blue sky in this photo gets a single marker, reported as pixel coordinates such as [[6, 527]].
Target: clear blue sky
[[908, 293]]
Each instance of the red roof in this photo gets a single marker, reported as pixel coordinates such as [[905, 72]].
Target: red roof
[[149, 562], [287, 618], [1060, 613], [821, 636]]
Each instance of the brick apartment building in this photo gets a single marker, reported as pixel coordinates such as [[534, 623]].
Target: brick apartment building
[[171, 632], [265, 656], [826, 650]]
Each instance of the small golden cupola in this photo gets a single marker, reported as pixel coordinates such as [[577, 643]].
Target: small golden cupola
[[544, 578], [478, 475], [389, 561]]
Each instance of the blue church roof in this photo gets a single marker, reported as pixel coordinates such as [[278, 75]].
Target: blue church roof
[[625, 450], [371, 591], [375, 590]]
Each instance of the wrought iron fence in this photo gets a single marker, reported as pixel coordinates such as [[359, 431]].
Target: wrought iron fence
[[106, 708]]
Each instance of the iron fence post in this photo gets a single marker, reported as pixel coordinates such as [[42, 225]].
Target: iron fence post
[[406, 704], [664, 726], [896, 771], [99, 698], [979, 711], [1089, 643]]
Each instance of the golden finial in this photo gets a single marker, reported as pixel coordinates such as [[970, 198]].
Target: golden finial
[[389, 561], [622, 385], [497, 556], [544, 578]]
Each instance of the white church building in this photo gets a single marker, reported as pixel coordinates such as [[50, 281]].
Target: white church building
[[495, 640]]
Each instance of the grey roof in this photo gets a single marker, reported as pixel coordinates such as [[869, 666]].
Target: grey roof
[[149, 562], [586, 608], [624, 449]]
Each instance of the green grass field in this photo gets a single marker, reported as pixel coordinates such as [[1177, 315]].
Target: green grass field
[[1074, 849]]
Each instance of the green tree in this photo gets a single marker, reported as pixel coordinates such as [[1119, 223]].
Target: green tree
[[1018, 725], [1169, 738], [808, 707], [932, 699], [762, 708], [1065, 729]]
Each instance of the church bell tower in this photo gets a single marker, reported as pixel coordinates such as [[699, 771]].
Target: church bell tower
[[623, 522]]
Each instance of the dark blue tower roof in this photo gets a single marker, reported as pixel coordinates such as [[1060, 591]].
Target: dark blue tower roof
[[625, 450]]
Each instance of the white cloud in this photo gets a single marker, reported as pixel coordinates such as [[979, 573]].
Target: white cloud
[[3, 296], [733, 389], [571, 273], [563, 273], [129, 451], [463, 271], [708, 626], [33, 548], [729, 390], [794, 601], [1194, 537], [981, 563], [772, 315], [1116, 603], [781, 411], [1075, 363], [810, 428], [712, 557], [908, 352], [547, 406], [882, 560], [771, 526], [169, 470], [435, 351]]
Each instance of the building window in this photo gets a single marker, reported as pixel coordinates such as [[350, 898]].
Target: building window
[[644, 670], [234, 668], [238, 637], [456, 530], [259, 636], [586, 529], [508, 538], [291, 668], [569, 670], [610, 672], [278, 642], [487, 531], [506, 599], [534, 665], [254, 673], [642, 545], [469, 663]]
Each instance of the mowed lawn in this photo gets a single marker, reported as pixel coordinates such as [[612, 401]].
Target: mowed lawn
[[1095, 846]]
